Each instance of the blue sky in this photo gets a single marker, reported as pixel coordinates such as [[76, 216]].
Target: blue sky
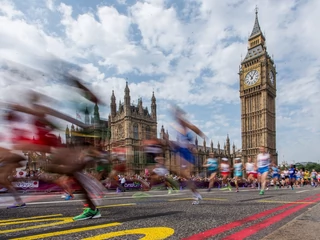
[[187, 52]]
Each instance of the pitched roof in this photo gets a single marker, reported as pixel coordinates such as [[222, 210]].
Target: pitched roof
[[254, 52], [256, 27]]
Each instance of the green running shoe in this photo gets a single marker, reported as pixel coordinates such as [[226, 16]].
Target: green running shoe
[[261, 192], [88, 214]]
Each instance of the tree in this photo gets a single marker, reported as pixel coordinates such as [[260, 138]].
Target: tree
[[310, 166]]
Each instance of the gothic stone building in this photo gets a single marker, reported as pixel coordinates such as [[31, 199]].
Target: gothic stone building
[[128, 125], [257, 94], [96, 133], [201, 153]]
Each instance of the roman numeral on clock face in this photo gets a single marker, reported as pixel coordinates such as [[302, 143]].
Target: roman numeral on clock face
[[251, 77]]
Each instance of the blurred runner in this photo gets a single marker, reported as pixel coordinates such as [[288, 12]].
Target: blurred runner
[[237, 167], [182, 148], [213, 167], [262, 164], [225, 171], [252, 174]]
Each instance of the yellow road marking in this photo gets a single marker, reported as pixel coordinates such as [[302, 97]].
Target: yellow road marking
[[60, 221], [275, 201], [185, 199], [21, 219], [216, 199], [27, 221], [180, 199], [149, 233], [118, 205], [70, 231]]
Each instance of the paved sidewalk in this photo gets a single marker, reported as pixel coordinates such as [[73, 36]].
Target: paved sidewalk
[[305, 226]]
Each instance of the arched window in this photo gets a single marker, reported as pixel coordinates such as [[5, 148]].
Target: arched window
[[136, 157], [135, 131], [148, 132]]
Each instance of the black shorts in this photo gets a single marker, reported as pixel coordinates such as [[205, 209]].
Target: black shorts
[[211, 171]]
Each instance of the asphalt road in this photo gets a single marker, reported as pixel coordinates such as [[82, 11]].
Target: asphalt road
[[221, 215]]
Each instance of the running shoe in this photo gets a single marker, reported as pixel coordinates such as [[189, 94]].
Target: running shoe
[[261, 192], [69, 197], [197, 200], [141, 195], [17, 205], [88, 214]]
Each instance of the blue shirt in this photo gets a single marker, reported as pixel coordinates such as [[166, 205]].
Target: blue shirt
[[292, 171], [275, 170], [213, 164], [237, 168]]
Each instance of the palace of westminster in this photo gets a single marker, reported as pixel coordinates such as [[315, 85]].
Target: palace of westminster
[[128, 125]]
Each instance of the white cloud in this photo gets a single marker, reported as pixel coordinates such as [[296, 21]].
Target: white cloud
[[187, 53], [165, 32], [102, 38], [122, 1], [8, 9], [50, 5]]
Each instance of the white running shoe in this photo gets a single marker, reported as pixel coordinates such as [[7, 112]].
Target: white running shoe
[[197, 199], [195, 202]]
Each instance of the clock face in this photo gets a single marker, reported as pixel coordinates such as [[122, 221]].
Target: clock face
[[271, 77], [252, 77]]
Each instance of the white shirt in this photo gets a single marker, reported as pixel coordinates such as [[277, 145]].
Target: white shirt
[[249, 167], [225, 167], [263, 160], [123, 180]]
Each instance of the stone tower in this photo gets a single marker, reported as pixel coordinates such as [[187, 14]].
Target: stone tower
[[130, 125], [258, 94]]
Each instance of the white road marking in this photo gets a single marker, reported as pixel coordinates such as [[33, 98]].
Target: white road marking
[[302, 191]]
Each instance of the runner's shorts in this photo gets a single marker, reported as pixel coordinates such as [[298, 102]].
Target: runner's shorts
[[275, 175], [186, 154], [262, 170]]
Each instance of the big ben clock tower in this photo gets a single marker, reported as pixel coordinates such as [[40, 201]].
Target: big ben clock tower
[[258, 93]]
